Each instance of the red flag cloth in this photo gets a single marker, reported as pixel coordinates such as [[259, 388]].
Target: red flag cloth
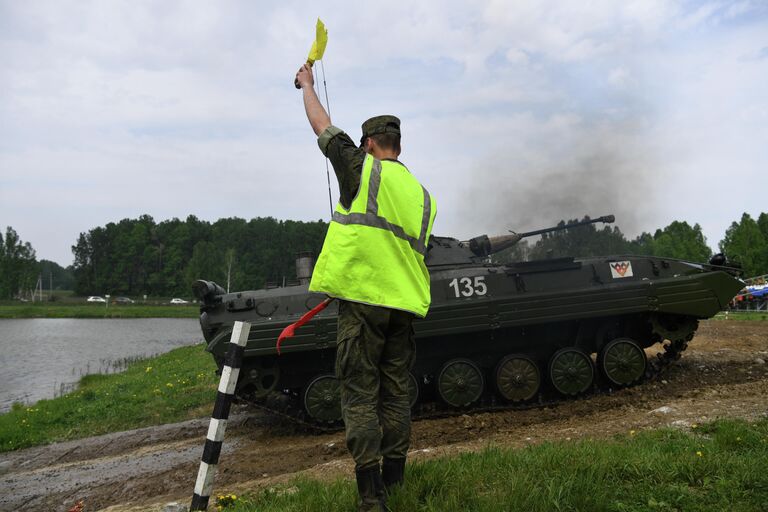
[[306, 317]]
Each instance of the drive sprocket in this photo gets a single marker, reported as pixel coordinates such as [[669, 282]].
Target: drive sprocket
[[674, 327], [679, 330]]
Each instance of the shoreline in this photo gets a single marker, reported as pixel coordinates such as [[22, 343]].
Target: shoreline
[[53, 310], [174, 386]]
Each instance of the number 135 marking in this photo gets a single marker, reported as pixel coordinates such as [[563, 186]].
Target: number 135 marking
[[467, 287]]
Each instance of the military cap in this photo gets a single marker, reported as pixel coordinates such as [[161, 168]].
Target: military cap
[[380, 124]]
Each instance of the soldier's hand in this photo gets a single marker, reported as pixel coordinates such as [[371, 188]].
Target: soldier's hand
[[304, 77]]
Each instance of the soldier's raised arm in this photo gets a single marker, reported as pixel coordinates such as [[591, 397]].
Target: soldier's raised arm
[[318, 117]]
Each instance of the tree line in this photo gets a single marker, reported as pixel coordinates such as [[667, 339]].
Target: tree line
[[140, 256], [18, 264], [20, 269]]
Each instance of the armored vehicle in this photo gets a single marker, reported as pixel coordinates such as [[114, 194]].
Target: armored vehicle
[[496, 335]]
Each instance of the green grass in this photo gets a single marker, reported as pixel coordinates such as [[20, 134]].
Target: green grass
[[175, 386], [742, 315], [720, 466], [62, 310]]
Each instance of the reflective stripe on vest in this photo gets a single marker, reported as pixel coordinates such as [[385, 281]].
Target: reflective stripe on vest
[[372, 219]]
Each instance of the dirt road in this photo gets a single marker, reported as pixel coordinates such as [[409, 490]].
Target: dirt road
[[722, 374]]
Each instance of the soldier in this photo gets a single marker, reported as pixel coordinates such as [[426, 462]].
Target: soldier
[[373, 261]]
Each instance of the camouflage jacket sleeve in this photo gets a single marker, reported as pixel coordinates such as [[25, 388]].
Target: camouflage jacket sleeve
[[347, 160]]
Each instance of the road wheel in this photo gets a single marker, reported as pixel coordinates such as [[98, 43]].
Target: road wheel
[[322, 400], [517, 378], [622, 361], [460, 382], [259, 378], [571, 371]]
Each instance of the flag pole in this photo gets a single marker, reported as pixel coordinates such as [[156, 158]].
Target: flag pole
[[328, 107]]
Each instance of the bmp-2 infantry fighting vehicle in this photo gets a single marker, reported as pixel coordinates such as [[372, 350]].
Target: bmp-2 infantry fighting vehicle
[[496, 334]]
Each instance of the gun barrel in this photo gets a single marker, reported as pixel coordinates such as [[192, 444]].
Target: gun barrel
[[484, 245], [606, 219]]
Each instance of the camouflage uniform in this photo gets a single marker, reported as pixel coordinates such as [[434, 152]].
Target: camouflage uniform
[[375, 350]]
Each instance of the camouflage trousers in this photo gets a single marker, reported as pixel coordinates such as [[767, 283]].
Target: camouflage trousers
[[375, 351]]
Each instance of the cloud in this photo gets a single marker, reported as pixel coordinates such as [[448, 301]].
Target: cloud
[[116, 109], [618, 77]]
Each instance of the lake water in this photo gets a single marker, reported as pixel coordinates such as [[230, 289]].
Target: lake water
[[43, 357]]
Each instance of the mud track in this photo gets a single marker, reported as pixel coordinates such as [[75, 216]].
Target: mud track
[[722, 374]]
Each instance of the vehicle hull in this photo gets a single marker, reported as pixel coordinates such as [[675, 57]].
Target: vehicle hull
[[484, 312]]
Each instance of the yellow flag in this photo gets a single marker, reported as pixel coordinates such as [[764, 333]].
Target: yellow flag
[[318, 47]]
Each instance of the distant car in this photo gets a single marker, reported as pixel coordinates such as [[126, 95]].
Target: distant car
[[95, 298], [123, 300], [179, 301]]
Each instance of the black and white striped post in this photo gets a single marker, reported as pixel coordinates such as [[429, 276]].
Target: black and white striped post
[[232, 362]]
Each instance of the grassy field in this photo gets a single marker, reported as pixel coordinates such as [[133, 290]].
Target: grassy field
[[175, 386], [720, 466], [69, 310]]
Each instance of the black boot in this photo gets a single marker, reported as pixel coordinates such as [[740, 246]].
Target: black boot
[[371, 490], [392, 473]]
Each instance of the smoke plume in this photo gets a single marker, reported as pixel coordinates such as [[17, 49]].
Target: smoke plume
[[568, 173]]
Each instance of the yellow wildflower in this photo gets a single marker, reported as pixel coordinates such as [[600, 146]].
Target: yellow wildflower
[[699, 454]]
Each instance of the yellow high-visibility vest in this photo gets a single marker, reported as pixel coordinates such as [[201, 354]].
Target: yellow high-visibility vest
[[374, 251]]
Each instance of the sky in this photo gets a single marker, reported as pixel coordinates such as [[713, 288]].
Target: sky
[[514, 114]]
